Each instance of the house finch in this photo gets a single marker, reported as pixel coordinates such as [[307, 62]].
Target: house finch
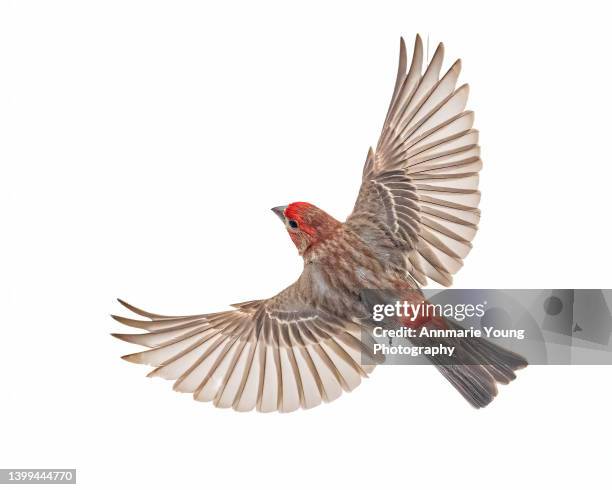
[[415, 216]]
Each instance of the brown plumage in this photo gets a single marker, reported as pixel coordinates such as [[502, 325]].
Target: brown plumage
[[415, 216]]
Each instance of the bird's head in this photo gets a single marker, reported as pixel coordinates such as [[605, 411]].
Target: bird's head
[[306, 224]]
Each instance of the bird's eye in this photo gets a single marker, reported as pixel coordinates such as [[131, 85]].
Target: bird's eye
[[293, 224]]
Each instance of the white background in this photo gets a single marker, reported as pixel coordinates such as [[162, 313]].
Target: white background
[[142, 145]]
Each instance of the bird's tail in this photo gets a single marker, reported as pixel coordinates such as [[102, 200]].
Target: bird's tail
[[475, 366]]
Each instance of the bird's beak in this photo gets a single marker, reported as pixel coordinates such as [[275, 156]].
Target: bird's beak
[[280, 212]]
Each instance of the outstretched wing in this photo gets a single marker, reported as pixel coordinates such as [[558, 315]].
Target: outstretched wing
[[418, 202], [276, 354]]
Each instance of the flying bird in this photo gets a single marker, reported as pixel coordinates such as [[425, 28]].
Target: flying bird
[[415, 217]]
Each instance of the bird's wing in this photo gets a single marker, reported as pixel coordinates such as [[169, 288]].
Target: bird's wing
[[418, 202], [275, 354]]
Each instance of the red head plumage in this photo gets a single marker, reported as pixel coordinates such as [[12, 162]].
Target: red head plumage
[[299, 212], [310, 224]]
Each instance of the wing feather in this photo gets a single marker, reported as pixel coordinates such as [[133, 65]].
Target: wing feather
[[418, 202], [273, 355]]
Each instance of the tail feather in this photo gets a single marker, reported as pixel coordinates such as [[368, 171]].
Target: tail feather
[[475, 367], [474, 383]]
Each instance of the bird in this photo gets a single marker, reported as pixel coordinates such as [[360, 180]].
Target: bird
[[414, 219]]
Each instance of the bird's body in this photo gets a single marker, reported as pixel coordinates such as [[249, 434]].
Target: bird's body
[[415, 216], [338, 268]]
